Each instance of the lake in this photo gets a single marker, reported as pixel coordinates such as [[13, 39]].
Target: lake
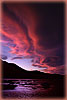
[[32, 88]]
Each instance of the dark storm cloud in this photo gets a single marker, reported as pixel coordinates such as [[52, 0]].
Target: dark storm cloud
[[5, 38], [50, 29], [16, 58], [4, 57], [53, 61]]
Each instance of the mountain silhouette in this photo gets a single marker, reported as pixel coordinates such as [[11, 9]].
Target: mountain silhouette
[[10, 70]]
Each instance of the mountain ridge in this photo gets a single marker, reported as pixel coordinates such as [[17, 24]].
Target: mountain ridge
[[10, 70]]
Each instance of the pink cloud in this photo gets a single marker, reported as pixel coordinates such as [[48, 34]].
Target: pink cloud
[[25, 37]]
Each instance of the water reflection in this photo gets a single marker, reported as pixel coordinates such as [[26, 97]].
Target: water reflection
[[17, 84], [26, 88]]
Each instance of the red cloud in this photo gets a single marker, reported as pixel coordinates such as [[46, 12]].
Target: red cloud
[[21, 28], [22, 40]]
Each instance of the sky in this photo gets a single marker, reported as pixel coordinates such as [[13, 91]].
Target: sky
[[32, 36]]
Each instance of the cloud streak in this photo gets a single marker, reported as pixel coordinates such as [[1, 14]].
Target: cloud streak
[[29, 34]]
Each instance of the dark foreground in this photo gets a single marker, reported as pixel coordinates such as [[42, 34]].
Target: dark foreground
[[19, 83], [32, 88]]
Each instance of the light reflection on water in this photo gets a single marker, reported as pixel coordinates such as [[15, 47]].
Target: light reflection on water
[[26, 87]]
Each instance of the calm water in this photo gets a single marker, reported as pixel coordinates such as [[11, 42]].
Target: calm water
[[29, 88]]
